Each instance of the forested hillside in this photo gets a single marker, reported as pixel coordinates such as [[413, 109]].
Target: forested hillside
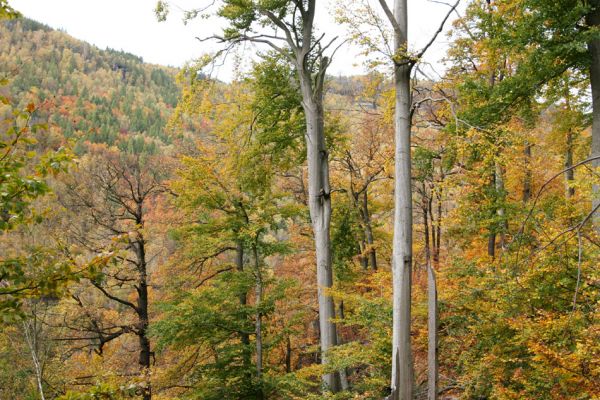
[[87, 94], [398, 235]]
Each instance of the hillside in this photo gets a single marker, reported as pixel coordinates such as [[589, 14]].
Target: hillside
[[85, 93]]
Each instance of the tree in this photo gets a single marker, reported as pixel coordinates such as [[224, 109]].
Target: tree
[[264, 23], [41, 270], [6, 11], [549, 39], [497, 113], [396, 51], [113, 193], [233, 214], [364, 162]]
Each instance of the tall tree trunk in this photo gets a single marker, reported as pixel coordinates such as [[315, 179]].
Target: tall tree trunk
[[491, 247], [432, 334], [432, 348], [527, 178], [402, 364], [593, 19], [143, 319], [491, 244], [319, 199], [258, 322], [244, 337], [426, 210], [30, 330], [428, 215], [343, 372], [362, 247], [369, 231], [500, 211], [570, 174], [435, 228], [288, 355], [438, 228]]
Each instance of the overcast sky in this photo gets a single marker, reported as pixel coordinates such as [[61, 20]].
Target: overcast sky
[[131, 25]]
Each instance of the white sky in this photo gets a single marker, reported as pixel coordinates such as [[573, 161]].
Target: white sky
[[131, 25]]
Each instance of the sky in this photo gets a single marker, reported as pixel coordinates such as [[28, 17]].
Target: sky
[[131, 25]]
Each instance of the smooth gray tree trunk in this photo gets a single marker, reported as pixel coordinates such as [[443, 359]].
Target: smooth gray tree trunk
[[402, 364], [432, 306], [307, 56], [593, 19], [319, 200]]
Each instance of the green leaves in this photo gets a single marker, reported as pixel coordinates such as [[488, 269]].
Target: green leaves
[[103, 392], [7, 12], [21, 173], [38, 271], [241, 14]]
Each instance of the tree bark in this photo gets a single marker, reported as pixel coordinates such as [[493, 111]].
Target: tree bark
[[142, 305], [432, 348], [258, 322], [288, 355], [432, 331], [593, 19], [369, 231], [30, 330], [343, 373], [244, 337], [438, 229], [362, 246], [426, 210], [527, 178], [570, 174], [500, 211], [436, 222], [402, 365], [491, 246], [319, 199]]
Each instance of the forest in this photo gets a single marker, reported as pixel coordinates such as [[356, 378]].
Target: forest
[[407, 233]]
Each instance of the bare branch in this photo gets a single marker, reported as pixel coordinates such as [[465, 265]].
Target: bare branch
[[115, 298], [213, 275], [280, 25], [440, 29], [390, 16]]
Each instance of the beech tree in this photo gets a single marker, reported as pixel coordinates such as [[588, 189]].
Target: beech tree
[[288, 28], [403, 60]]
